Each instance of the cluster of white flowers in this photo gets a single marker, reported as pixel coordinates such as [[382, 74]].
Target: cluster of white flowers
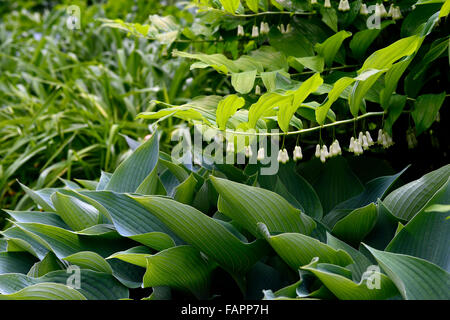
[[327, 4], [344, 5], [364, 141], [323, 153], [363, 10], [283, 29], [384, 139], [380, 10], [283, 156]]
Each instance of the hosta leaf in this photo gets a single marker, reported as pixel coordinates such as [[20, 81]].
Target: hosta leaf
[[41, 197], [15, 262], [243, 82], [152, 184], [361, 263], [89, 260], [226, 108], [329, 48], [415, 278], [49, 218], [374, 190], [24, 241], [180, 267], [408, 200], [355, 226], [427, 234], [336, 183], [48, 264], [78, 215], [132, 220], [105, 176], [184, 192], [136, 255], [286, 111], [130, 173], [94, 285], [249, 205], [346, 289], [426, 108], [298, 250], [204, 233], [45, 291]]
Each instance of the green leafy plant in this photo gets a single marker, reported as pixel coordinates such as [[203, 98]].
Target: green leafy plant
[[153, 223]]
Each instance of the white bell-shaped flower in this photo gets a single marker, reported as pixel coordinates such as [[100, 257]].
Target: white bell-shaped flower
[[369, 138], [313, 2], [288, 28], [255, 32], [391, 10], [298, 155], [317, 154], [380, 136], [261, 154], [324, 151], [344, 5], [327, 4], [258, 90], [230, 147], [283, 156], [397, 13], [248, 151], [351, 146], [281, 28], [383, 12], [365, 143], [363, 10], [240, 31]]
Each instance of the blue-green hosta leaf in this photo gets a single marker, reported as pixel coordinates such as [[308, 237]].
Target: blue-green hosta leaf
[[20, 240], [48, 264], [49, 218], [286, 111], [249, 205], [93, 285], [132, 220], [185, 191], [130, 173], [180, 267], [41, 197], [226, 108], [243, 82], [406, 201], [426, 108], [374, 190], [361, 263], [77, 214], [105, 177], [16, 262], [415, 278], [346, 289], [329, 48], [355, 226], [3, 245], [204, 233], [136, 255], [45, 291], [152, 184], [336, 183], [297, 249], [427, 234], [89, 260]]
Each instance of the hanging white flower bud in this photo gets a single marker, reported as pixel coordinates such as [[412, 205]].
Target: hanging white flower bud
[[258, 90], [324, 151], [313, 2], [281, 28], [411, 139], [264, 28], [317, 151], [323, 158], [297, 153], [327, 4], [384, 140], [283, 156], [230, 147], [391, 10], [369, 138], [331, 152], [240, 31], [255, 32], [363, 10], [351, 147], [389, 140], [286, 156], [383, 12], [380, 136], [261, 154], [365, 143], [288, 28], [397, 14], [337, 148], [280, 156], [248, 151], [360, 136], [344, 5], [358, 148]]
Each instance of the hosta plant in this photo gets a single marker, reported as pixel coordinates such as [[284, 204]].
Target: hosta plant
[[155, 229]]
